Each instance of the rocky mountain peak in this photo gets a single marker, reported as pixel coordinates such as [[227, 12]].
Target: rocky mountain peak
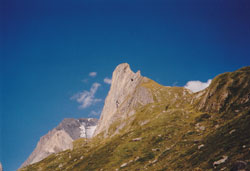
[[124, 77], [61, 138], [74, 127], [124, 94]]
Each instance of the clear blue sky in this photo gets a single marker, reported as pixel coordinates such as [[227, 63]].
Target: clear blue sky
[[49, 47]]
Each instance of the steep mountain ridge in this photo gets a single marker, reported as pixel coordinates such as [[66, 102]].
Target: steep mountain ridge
[[174, 130], [61, 138], [228, 91], [124, 96]]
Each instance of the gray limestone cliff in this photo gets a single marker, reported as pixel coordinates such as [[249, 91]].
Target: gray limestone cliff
[[126, 93], [61, 138]]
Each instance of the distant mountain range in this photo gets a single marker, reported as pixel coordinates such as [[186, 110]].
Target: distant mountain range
[[147, 126]]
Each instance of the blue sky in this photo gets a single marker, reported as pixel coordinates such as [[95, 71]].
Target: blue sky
[[48, 48]]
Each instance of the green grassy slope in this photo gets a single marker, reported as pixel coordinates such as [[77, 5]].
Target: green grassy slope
[[179, 131]]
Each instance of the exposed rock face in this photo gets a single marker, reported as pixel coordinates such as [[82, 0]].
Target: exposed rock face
[[61, 138], [124, 96], [1, 167], [78, 127]]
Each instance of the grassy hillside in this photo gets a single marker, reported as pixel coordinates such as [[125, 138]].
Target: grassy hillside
[[179, 131]]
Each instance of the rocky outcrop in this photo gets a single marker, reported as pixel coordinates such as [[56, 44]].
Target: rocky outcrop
[[61, 138], [126, 93]]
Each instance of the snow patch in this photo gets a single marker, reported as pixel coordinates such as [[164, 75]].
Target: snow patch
[[83, 131], [90, 131], [87, 131]]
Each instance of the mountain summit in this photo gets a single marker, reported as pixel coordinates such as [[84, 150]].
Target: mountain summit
[[147, 126], [126, 93], [61, 138]]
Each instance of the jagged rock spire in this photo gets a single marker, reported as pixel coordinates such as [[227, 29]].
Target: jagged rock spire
[[122, 96]]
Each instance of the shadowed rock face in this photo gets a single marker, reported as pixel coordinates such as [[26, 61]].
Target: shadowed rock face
[[124, 96], [228, 91], [73, 127], [61, 138]]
